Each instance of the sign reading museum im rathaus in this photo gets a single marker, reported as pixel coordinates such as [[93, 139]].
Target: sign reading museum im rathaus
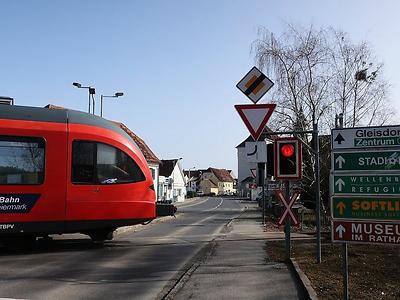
[[365, 185]]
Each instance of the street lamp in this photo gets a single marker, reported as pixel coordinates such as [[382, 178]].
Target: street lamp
[[116, 95], [189, 185], [91, 91]]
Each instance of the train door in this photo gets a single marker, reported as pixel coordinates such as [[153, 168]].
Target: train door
[[32, 176]]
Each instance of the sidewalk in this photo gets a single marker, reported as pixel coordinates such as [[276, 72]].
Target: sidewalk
[[238, 267]]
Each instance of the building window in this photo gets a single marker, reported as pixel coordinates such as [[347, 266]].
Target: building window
[[21, 160], [153, 173], [98, 163]]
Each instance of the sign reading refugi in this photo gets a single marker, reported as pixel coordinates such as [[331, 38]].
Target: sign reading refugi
[[255, 84], [384, 184]]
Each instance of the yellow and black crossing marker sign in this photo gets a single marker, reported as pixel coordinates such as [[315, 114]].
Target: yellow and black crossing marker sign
[[255, 84]]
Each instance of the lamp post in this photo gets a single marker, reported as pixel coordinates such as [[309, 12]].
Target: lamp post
[[116, 95], [6, 100], [189, 184], [91, 91]]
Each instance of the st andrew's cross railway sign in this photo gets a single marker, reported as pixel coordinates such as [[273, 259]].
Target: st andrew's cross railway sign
[[287, 212], [366, 137], [255, 117], [254, 85]]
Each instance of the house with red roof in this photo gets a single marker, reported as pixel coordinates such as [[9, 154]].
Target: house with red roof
[[217, 181]]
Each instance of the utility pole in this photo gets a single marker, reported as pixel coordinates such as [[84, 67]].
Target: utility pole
[[317, 190]]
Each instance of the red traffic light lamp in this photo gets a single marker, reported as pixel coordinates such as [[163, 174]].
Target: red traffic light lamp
[[287, 150], [287, 159]]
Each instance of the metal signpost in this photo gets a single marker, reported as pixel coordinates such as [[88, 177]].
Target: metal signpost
[[255, 116], [288, 167], [365, 187]]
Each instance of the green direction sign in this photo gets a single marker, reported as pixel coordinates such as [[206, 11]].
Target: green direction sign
[[366, 208], [367, 185], [367, 161]]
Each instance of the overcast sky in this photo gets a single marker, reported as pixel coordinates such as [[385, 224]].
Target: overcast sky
[[177, 62]]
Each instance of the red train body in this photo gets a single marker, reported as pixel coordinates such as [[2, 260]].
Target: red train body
[[64, 171]]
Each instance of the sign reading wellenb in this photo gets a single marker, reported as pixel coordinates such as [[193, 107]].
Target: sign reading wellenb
[[366, 184]]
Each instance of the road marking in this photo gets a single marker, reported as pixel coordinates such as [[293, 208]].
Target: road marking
[[190, 205], [222, 200]]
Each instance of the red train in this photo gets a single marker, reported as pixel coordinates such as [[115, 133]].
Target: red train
[[65, 171]]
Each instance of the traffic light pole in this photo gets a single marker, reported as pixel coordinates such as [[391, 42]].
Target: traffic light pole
[[315, 151], [261, 180], [287, 224]]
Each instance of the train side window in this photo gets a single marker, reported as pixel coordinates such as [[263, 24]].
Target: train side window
[[115, 166], [83, 162], [98, 163], [21, 160]]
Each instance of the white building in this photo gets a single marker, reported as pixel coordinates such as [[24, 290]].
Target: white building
[[172, 185], [247, 171]]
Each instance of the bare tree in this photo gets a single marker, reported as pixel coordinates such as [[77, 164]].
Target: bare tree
[[319, 73], [298, 61], [358, 87]]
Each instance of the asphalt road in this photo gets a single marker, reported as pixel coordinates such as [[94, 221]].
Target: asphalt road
[[146, 264]]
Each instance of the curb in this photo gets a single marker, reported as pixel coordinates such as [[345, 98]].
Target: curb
[[303, 280]]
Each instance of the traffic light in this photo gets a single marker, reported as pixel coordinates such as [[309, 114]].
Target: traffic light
[[287, 158]]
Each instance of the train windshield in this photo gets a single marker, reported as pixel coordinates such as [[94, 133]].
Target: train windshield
[[21, 160]]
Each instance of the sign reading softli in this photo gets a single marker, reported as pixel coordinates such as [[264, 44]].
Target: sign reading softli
[[366, 208]]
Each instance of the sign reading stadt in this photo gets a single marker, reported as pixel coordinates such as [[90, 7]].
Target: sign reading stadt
[[367, 137], [366, 232], [366, 208], [366, 161]]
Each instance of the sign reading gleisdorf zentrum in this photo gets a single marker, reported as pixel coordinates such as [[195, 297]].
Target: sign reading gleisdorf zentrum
[[365, 184], [366, 137]]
